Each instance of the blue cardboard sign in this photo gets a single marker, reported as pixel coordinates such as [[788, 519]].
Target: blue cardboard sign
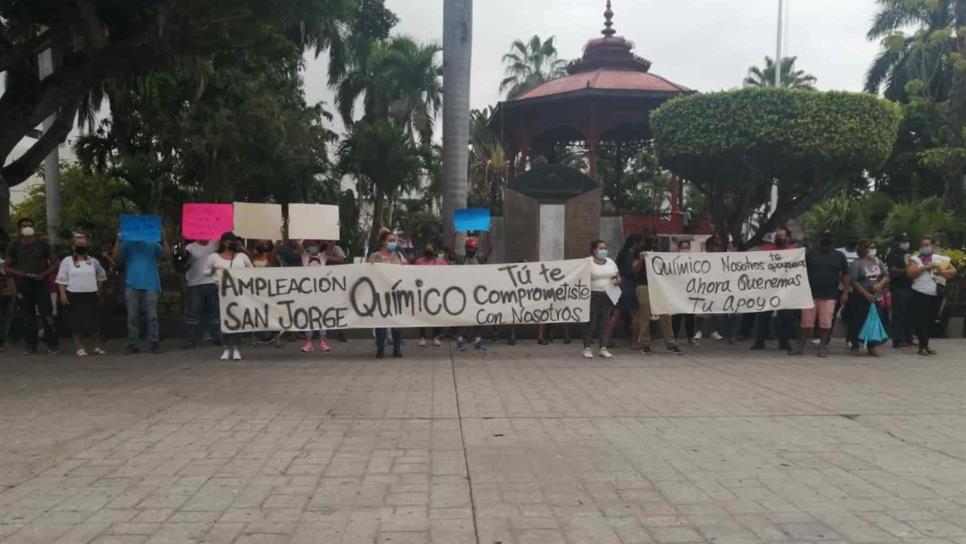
[[472, 219], [141, 228]]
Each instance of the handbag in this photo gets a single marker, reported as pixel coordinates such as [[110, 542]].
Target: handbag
[[873, 331]]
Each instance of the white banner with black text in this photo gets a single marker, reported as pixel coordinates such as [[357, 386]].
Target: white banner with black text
[[385, 295], [728, 283]]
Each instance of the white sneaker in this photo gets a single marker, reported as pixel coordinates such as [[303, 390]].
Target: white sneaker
[[236, 355], [605, 354], [422, 342], [816, 341], [436, 342], [716, 336], [225, 355], [698, 335], [588, 354]]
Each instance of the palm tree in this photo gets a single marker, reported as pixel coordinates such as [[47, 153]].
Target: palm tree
[[457, 62], [530, 64], [488, 161], [907, 57], [400, 80], [790, 77]]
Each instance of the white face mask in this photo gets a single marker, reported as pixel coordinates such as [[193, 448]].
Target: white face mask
[[27, 231], [904, 246], [872, 253]]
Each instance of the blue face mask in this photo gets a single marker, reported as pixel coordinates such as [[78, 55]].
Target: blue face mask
[[601, 253], [927, 251], [392, 246]]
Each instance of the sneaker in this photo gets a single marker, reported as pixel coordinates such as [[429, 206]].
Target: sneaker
[[699, 335], [480, 347], [796, 351], [156, 348], [397, 354], [99, 351], [823, 351], [588, 354], [716, 336], [82, 352], [758, 346], [131, 350], [53, 351], [461, 345], [225, 355], [674, 350], [422, 342], [307, 347], [605, 354], [324, 346], [816, 341], [30, 351], [380, 355], [236, 355], [436, 342], [646, 350]]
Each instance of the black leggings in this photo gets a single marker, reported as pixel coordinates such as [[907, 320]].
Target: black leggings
[[688, 320], [926, 309], [600, 309]]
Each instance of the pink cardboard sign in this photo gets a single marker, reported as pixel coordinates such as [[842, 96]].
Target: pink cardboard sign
[[206, 221]]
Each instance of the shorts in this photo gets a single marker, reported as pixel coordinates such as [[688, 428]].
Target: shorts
[[824, 309]]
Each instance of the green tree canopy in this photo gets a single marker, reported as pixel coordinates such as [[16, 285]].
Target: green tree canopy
[[529, 64], [735, 146]]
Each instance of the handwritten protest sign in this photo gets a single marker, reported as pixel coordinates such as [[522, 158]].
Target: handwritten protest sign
[[728, 283], [258, 221], [384, 295], [313, 222], [206, 221], [140, 228], [472, 219]]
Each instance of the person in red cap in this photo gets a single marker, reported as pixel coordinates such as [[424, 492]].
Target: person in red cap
[[472, 256]]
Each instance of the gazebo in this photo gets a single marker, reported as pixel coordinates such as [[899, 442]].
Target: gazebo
[[607, 96]]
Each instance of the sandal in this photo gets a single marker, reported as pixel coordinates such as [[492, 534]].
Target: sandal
[[82, 352]]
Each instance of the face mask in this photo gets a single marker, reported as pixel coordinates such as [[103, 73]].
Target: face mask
[[926, 251], [81, 250], [873, 252], [312, 250], [429, 254], [233, 247], [262, 249], [827, 242], [392, 246], [780, 241], [904, 246], [27, 231], [601, 253]]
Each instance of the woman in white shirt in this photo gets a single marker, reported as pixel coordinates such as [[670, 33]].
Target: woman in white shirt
[[928, 270], [603, 276], [228, 256], [79, 281]]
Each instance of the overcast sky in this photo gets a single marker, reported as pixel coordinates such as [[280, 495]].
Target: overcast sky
[[703, 44]]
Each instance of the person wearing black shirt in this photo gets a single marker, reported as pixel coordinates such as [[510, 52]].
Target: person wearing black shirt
[[31, 260], [901, 326], [644, 301], [827, 269], [627, 305]]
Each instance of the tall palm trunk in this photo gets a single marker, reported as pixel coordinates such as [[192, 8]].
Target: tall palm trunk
[[956, 180], [457, 59]]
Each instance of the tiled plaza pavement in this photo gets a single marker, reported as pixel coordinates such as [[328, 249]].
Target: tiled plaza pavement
[[523, 445]]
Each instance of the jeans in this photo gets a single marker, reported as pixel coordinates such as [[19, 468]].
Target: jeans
[[35, 301], [785, 321], [203, 308], [6, 311], [664, 321], [926, 308], [600, 309], [232, 340], [381, 340], [140, 300], [902, 325]]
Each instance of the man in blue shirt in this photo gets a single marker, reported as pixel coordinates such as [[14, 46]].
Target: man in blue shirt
[[142, 288]]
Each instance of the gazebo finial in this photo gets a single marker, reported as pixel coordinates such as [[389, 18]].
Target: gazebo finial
[[608, 22]]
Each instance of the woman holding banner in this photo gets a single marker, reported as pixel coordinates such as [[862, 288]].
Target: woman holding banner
[[604, 276], [312, 256], [228, 256], [387, 253]]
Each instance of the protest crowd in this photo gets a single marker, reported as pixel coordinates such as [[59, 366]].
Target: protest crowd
[[896, 297]]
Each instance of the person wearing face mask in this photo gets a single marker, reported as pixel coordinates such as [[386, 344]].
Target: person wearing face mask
[[430, 258], [229, 256], [929, 272], [472, 256], [314, 256], [387, 253], [142, 287], [827, 270], [784, 319], [901, 326], [79, 280], [870, 277], [264, 256], [202, 295], [31, 260], [603, 274], [651, 243]]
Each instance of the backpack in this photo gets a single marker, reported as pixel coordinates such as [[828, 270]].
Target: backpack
[[181, 259]]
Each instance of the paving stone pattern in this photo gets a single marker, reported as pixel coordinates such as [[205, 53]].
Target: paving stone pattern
[[523, 445]]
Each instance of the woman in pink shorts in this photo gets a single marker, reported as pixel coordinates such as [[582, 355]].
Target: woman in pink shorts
[[826, 269]]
